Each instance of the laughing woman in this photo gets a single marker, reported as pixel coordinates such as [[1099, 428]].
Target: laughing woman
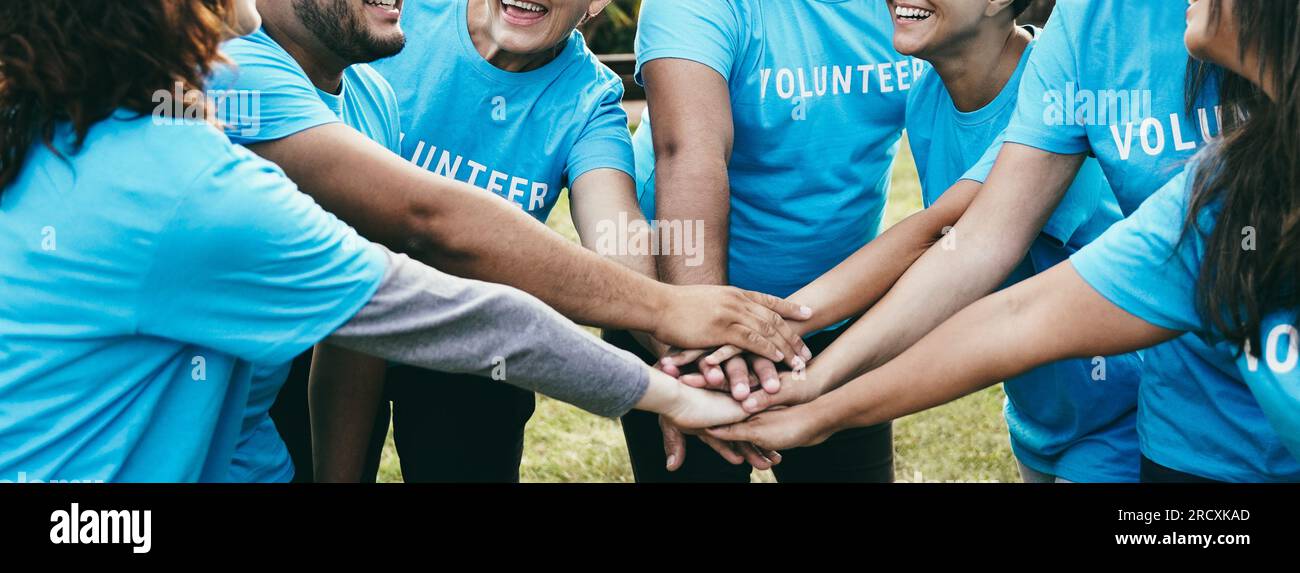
[[150, 269], [1214, 253]]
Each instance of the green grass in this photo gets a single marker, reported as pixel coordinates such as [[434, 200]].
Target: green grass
[[962, 441]]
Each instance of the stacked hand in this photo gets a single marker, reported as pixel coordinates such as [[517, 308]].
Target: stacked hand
[[755, 384]]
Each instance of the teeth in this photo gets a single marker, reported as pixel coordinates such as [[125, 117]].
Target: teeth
[[382, 3], [522, 5], [912, 13]]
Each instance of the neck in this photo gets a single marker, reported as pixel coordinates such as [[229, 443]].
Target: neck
[[323, 66], [975, 70], [480, 33]]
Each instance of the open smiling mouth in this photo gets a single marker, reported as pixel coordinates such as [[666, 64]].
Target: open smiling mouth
[[910, 14], [522, 12], [386, 5]]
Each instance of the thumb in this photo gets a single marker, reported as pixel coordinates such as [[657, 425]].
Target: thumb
[[740, 432], [674, 446], [760, 401]]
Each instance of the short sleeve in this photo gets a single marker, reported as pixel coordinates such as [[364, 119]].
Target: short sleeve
[[1039, 120], [1076, 208], [703, 31], [1273, 376], [266, 96], [1146, 264], [250, 266], [605, 141]]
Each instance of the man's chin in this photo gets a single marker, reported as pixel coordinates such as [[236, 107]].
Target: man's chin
[[386, 47]]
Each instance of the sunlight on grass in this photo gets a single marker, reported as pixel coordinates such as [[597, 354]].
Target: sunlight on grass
[[962, 441]]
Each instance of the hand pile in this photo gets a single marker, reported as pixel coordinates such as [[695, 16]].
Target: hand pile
[[755, 384]]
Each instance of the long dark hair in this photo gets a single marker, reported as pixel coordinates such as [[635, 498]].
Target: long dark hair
[[1252, 175], [79, 61]]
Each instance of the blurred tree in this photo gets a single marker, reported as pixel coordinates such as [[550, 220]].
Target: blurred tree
[[614, 30]]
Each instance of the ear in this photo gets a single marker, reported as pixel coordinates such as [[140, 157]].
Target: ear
[[996, 7]]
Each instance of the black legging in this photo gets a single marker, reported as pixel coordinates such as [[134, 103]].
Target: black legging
[[860, 455]]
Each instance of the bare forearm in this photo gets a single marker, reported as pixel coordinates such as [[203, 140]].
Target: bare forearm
[[999, 337], [694, 191], [461, 229], [972, 260], [862, 279]]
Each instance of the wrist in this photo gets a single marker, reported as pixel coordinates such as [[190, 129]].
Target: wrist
[[653, 306], [663, 394], [823, 419]]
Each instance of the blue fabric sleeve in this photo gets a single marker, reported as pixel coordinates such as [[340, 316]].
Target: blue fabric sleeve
[[703, 31], [280, 99], [605, 142], [1146, 264], [1051, 67]]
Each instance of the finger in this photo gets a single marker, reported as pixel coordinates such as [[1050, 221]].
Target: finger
[[752, 341], [755, 457], [785, 308], [724, 449], [694, 380], [738, 375], [714, 377], [724, 354], [669, 369], [674, 445], [759, 401], [776, 330], [765, 370], [773, 455], [679, 357], [742, 432]]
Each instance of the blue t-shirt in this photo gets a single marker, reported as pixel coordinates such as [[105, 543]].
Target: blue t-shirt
[[1274, 379], [285, 103], [1108, 78], [523, 136], [1096, 55], [269, 97], [1075, 418], [1149, 267], [144, 277], [817, 96]]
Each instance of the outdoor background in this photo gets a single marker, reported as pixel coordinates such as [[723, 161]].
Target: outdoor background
[[962, 441]]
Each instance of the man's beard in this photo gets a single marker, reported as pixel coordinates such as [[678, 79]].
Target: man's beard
[[339, 28]]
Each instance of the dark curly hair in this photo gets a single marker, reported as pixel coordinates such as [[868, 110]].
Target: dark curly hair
[[79, 61]]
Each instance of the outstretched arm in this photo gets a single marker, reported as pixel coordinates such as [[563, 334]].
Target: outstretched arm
[[1051, 317], [467, 232], [972, 260]]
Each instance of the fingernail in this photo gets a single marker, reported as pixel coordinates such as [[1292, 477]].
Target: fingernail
[[805, 311], [806, 353], [772, 382], [666, 361], [672, 460], [797, 363], [751, 403], [780, 356]]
